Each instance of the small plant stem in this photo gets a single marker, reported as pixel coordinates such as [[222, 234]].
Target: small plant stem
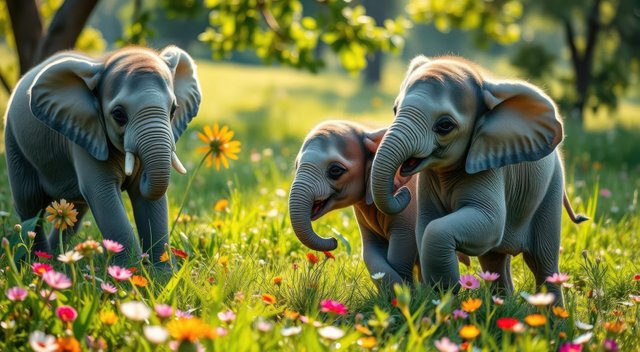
[[185, 196]]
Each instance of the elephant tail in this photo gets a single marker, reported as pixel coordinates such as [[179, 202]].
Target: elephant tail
[[576, 218]]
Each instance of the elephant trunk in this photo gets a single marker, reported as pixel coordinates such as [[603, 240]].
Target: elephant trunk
[[154, 145], [305, 189]]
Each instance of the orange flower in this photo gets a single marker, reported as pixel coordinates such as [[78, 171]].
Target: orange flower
[[328, 255], [312, 258], [290, 314], [615, 327], [268, 299], [190, 329], [368, 342], [471, 305], [469, 332], [62, 214], [221, 205], [535, 319], [219, 146], [68, 344], [164, 257], [560, 312], [562, 335], [363, 329], [277, 280], [139, 280]]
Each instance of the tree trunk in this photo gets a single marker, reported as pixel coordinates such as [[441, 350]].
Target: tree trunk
[[379, 11]]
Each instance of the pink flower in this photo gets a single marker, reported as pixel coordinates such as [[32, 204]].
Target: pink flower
[[163, 310], [108, 288], [497, 300], [48, 294], [43, 255], [446, 345], [488, 276], [605, 193], [66, 313], [183, 314], [227, 316], [118, 273], [558, 278], [57, 281], [112, 246], [459, 314], [331, 306], [40, 268], [570, 347], [17, 294], [469, 282]]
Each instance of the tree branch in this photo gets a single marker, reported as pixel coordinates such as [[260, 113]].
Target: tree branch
[[570, 35], [593, 25], [271, 22], [27, 30], [66, 26]]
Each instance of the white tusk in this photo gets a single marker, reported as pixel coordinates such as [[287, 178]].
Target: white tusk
[[175, 162], [129, 161]]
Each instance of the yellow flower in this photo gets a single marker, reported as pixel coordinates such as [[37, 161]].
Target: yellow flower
[[164, 257], [471, 305], [268, 299], [224, 260], [191, 329], [108, 317], [368, 342], [560, 312], [88, 247], [277, 280], [139, 280], [62, 214], [469, 332], [363, 329], [535, 319], [219, 146], [221, 205]]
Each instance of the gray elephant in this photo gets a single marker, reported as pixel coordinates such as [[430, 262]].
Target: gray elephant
[[491, 181], [84, 129], [332, 172]]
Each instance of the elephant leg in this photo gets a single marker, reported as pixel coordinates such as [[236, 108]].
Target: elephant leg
[[54, 234], [402, 253], [153, 226], [374, 252], [501, 264]]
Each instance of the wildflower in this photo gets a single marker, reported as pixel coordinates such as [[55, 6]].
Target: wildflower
[[155, 334], [48, 294], [469, 282], [331, 332], [118, 273], [488, 276], [328, 255], [635, 298], [312, 258], [190, 329], [112, 246], [41, 342], [583, 326], [331, 306], [367, 342], [68, 344], [636, 277], [290, 331], [605, 193], [227, 316], [66, 313], [471, 305], [223, 260], [70, 257], [378, 276], [268, 299], [394, 301], [459, 314], [17, 294], [264, 326], [140, 281], [40, 268], [570, 347], [541, 299], [506, 323], [290, 314], [446, 345], [497, 300], [62, 214], [558, 278], [615, 327], [88, 248], [584, 338], [469, 332], [219, 145], [363, 329], [183, 314], [136, 311], [560, 312], [57, 281], [610, 345], [221, 205], [43, 255], [535, 319], [108, 288], [108, 317], [179, 253], [164, 257], [163, 310]]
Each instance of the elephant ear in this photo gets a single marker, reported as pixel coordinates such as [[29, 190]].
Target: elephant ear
[[62, 97], [522, 124], [185, 87]]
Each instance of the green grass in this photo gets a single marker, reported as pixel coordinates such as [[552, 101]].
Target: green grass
[[233, 255]]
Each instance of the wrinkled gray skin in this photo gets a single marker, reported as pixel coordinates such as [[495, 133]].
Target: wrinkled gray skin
[[332, 172], [69, 124], [490, 182]]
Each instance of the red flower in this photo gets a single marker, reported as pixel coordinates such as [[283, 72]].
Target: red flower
[[507, 323], [394, 302], [43, 255], [328, 255], [179, 253], [636, 277], [312, 258]]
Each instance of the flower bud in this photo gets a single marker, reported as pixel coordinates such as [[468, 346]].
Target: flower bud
[[17, 228], [31, 234]]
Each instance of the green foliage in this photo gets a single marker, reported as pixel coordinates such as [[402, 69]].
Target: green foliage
[[280, 31], [535, 60]]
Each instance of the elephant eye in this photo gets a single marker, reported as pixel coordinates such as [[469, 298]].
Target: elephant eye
[[335, 171], [174, 106], [119, 115], [444, 126]]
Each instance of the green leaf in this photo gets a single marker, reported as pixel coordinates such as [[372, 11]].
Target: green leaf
[[344, 240]]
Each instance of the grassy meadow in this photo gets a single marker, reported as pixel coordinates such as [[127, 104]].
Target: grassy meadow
[[243, 282]]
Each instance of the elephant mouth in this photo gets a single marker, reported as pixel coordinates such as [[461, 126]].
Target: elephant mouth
[[411, 166], [318, 208]]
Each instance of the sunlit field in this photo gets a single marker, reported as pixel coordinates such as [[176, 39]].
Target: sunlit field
[[243, 282]]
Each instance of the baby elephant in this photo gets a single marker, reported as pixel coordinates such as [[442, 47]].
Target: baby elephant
[[332, 172], [84, 129]]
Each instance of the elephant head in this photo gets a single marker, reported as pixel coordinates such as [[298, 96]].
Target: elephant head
[[134, 100], [332, 172], [450, 116]]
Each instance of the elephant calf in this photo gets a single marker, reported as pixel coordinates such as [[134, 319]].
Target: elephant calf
[[491, 180], [85, 129], [332, 172]]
